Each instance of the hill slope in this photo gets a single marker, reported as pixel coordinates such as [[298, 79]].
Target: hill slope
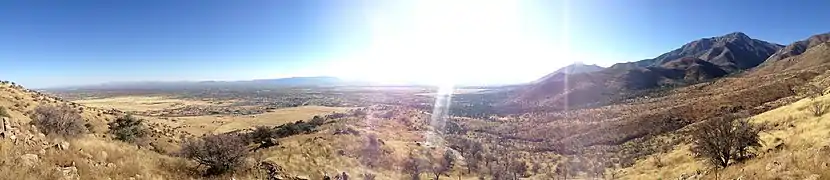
[[695, 62]]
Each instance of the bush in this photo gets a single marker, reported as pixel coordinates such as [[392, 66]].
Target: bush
[[722, 140], [220, 153], [818, 108], [58, 120], [264, 136], [128, 129], [4, 112]]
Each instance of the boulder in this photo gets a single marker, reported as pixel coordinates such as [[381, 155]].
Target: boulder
[[69, 173], [62, 145], [29, 160]]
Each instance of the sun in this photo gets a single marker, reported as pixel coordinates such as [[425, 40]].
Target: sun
[[444, 43]]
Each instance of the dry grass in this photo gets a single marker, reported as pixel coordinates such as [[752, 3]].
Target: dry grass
[[795, 145], [139, 103], [198, 125]]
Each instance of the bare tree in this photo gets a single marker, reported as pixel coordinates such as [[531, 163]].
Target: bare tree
[[442, 165], [414, 165], [59, 120], [723, 140], [371, 153], [517, 168], [221, 153]]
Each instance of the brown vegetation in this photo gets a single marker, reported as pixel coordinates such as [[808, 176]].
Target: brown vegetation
[[59, 120], [724, 140], [221, 153]]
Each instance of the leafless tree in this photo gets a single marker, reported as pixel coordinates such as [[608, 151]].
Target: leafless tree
[[723, 140], [221, 153], [59, 120], [442, 165], [414, 165]]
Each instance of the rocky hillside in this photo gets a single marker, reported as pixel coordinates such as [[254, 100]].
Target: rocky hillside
[[694, 62]]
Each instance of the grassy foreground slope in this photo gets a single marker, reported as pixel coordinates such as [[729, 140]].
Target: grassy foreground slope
[[795, 145]]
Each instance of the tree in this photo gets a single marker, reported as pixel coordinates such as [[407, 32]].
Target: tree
[[722, 140], [263, 135], [128, 128], [59, 120], [414, 165], [221, 152], [371, 153], [442, 165], [517, 168]]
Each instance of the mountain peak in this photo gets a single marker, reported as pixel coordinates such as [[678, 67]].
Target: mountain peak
[[737, 35]]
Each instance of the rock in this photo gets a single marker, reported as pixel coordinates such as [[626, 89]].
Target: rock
[[69, 173], [110, 165], [103, 156], [813, 177], [42, 151], [29, 160], [301, 178], [63, 145]]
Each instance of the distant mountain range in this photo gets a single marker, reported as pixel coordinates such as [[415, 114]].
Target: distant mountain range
[[697, 61], [317, 81]]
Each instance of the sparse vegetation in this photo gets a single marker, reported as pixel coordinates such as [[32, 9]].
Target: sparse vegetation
[[818, 108], [221, 153], [59, 120], [724, 140]]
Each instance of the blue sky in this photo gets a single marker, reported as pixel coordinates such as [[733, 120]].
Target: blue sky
[[59, 43]]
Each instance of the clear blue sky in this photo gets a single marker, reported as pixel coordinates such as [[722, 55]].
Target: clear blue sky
[[59, 43]]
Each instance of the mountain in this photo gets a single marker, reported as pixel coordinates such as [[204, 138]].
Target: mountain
[[732, 52], [809, 54], [798, 47], [575, 68], [694, 62], [279, 82]]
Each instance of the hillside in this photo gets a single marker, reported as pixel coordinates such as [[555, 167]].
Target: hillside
[[795, 146], [694, 62]]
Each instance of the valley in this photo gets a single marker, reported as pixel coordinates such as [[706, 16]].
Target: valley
[[635, 120]]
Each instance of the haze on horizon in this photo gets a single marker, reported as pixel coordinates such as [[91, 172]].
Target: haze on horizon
[[48, 44]]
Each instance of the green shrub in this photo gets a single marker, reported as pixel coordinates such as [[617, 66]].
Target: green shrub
[[128, 129]]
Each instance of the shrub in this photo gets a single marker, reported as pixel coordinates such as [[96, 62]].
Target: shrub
[[58, 120], [220, 153], [128, 128], [264, 136], [4, 112], [818, 108], [723, 140]]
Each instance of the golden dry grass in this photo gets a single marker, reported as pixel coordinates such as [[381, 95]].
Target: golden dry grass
[[796, 146], [198, 125], [139, 103]]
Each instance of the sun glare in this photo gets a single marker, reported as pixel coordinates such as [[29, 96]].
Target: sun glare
[[450, 42]]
